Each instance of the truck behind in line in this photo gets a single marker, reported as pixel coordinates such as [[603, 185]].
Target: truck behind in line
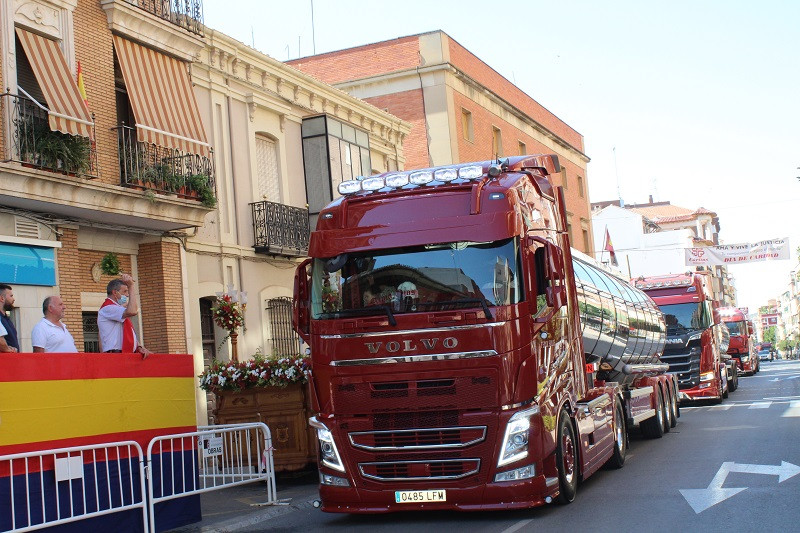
[[696, 349], [741, 346]]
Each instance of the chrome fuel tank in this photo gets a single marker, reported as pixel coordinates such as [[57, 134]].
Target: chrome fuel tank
[[620, 324]]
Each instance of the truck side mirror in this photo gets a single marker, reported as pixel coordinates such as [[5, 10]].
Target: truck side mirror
[[301, 316], [556, 296]]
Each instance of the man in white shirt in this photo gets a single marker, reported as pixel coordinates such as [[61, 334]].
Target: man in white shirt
[[113, 319], [50, 334]]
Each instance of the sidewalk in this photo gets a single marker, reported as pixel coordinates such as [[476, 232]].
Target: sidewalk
[[233, 509]]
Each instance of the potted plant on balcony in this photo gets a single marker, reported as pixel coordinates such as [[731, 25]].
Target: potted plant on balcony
[[272, 390], [200, 184]]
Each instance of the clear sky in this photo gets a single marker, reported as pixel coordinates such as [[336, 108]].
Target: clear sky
[[699, 98]]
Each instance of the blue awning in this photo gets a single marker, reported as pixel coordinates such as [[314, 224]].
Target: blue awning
[[21, 264]]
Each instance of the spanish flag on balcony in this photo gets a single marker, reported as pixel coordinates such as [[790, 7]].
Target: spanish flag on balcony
[[81, 87], [51, 401]]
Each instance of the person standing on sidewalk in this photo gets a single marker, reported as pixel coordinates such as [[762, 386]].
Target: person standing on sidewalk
[[9, 340], [114, 318], [50, 334]]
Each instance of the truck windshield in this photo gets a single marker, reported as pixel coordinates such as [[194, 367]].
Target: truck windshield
[[737, 328], [686, 317], [432, 277]]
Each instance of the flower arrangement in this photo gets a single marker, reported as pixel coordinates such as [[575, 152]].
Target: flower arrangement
[[330, 300], [258, 372], [228, 314]]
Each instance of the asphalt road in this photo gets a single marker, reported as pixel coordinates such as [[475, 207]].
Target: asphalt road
[[727, 467]]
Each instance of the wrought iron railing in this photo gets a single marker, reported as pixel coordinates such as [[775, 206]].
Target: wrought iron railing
[[280, 229], [188, 14], [165, 170], [28, 139]]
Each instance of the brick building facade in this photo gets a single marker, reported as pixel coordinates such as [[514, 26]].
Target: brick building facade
[[190, 162], [460, 110]]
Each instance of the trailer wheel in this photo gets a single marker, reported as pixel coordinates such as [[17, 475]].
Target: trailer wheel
[[726, 388], [734, 382], [567, 458], [617, 459], [653, 427], [674, 410], [665, 402]]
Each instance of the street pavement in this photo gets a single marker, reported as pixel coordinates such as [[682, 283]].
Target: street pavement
[[726, 467]]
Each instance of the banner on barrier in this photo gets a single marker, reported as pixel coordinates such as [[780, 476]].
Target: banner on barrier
[[730, 254]]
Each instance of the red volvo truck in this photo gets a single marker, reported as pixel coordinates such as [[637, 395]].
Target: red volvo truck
[[695, 343], [463, 356], [741, 346]]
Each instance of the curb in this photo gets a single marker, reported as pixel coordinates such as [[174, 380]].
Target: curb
[[253, 518]]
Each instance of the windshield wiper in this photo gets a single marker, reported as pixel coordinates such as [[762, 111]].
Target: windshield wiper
[[481, 301], [369, 310]]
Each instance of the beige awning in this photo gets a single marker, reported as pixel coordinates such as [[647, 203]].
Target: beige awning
[[161, 94], [67, 111]]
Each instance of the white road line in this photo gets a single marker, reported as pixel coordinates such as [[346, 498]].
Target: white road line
[[760, 405], [516, 527], [723, 407], [793, 410]]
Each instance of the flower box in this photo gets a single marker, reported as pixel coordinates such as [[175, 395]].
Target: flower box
[[270, 390], [285, 410]]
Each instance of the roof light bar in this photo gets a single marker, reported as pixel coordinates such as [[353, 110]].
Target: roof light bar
[[375, 183], [399, 180], [471, 172], [349, 187], [445, 174], [421, 178], [396, 180]]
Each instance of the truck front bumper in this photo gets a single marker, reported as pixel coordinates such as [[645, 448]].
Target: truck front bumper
[[493, 496]]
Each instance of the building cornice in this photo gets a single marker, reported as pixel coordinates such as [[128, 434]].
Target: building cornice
[[72, 198], [276, 80], [462, 76]]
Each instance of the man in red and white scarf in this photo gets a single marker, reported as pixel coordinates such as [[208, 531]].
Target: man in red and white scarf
[[114, 324]]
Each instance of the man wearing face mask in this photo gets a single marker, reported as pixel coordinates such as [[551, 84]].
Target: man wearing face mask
[[114, 324]]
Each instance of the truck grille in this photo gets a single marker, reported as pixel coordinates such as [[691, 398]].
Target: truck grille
[[414, 439], [685, 362], [462, 392], [420, 470]]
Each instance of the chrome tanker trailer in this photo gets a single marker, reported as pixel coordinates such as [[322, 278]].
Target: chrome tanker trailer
[[623, 333]]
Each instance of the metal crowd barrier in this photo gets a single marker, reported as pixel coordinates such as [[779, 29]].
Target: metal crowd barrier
[[52, 487], [211, 458]]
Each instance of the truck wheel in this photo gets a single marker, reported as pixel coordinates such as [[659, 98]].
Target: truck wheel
[[667, 411], [567, 458], [726, 389], [617, 459], [675, 411], [735, 380], [653, 427]]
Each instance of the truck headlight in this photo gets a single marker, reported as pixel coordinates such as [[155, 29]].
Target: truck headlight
[[745, 358], [707, 376], [515, 440], [327, 448]]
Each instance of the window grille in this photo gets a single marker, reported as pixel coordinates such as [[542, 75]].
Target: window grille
[[284, 340]]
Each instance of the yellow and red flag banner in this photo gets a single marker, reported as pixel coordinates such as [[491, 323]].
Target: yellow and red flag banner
[[81, 86]]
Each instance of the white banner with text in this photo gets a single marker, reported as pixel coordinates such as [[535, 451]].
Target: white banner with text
[[731, 254]]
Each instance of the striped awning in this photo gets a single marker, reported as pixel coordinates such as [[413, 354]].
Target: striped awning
[[67, 112], [161, 94]]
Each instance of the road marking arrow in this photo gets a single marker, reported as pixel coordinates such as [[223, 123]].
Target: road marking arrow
[[784, 379], [702, 499]]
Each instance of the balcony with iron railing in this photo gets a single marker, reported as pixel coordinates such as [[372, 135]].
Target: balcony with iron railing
[[28, 139], [158, 169], [187, 14], [280, 229]]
